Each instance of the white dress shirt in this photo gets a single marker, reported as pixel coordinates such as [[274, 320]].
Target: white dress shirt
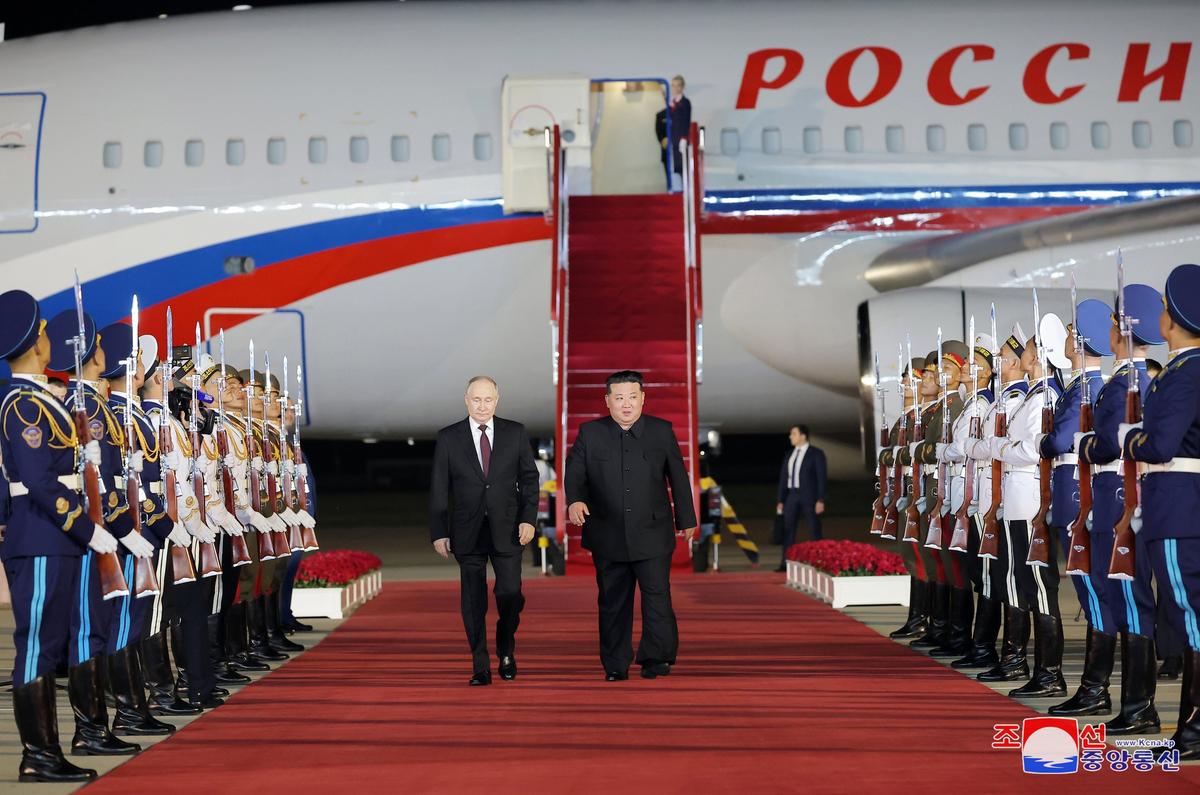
[[476, 433], [794, 466]]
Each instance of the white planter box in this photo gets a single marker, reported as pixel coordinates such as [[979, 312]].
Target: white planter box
[[891, 589], [336, 602]]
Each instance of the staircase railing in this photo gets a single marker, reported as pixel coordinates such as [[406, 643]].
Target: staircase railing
[[558, 213], [691, 149]]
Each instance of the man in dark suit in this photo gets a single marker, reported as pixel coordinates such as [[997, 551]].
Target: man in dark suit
[[482, 505], [616, 482], [680, 109], [801, 488]]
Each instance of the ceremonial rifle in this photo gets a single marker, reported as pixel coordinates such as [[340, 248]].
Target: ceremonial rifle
[[112, 580], [962, 518], [144, 581], [278, 537], [181, 561], [308, 534], [1121, 565], [989, 539], [266, 548], [892, 514], [1079, 556], [237, 544], [1039, 536], [934, 535], [877, 509], [912, 515], [210, 560], [295, 542]]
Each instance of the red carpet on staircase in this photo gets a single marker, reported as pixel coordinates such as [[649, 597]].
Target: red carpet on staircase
[[773, 692]]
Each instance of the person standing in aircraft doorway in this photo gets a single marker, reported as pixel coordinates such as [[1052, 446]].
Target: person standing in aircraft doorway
[[680, 108]]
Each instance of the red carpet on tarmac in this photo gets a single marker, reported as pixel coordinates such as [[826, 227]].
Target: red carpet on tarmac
[[773, 692]]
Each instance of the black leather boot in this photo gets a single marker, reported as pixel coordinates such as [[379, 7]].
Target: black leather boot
[[260, 638], [939, 607], [41, 756], [1139, 677], [276, 636], [218, 647], [240, 657], [958, 632], [156, 668], [92, 737], [982, 653], [133, 712], [1047, 679], [918, 611], [1092, 696], [1013, 664], [1187, 734]]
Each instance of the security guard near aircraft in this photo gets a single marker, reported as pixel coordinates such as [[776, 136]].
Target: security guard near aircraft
[[1167, 447], [1133, 606], [46, 536]]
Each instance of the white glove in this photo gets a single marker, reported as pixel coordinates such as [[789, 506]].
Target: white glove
[[259, 522], [91, 451], [306, 519], [138, 546], [941, 451], [277, 523], [243, 515], [257, 463], [230, 461], [137, 461], [1123, 431], [232, 526], [289, 516], [273, 468], [201, 532], [103, 541], [302, 470], [912, 450], [288, 466], [179, 535]]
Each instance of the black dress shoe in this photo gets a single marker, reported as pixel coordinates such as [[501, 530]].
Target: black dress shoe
[[171, 707], [208, 702], [298, 626], [227, 676], [247, 662], [508, 668], [616, 676], [655, 670], [1171, 667], [480, 679]]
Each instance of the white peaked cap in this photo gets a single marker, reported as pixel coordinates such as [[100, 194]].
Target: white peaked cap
[[1019, 333], [206, 361], [149, 348], [1053, 337], [984, 341]]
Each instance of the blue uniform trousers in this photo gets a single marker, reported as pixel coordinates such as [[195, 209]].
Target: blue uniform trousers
[[45, 594], [1098, 616], [128, 615], [1176, 564]]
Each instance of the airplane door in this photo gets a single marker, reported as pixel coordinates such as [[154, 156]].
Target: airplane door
[[528, 105], [20, 148]]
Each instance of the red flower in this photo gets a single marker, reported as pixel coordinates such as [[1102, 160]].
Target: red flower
[[335, 568], [847, 558]]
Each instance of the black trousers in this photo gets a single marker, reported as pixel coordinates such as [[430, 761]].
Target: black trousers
[[472, 570], [1036, 586], [615, 581], [795, 508]]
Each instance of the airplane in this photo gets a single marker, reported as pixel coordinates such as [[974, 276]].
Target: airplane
[[327, 180]]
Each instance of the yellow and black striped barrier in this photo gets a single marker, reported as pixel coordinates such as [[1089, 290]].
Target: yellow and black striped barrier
[[736, 528]]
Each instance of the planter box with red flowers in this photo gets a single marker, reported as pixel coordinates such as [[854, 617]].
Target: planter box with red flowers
[[332, 584], [846, 573]]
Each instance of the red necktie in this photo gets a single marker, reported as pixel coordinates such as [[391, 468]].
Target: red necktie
[[485, 450]]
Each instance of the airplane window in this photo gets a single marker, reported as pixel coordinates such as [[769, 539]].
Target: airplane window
[[1141, 134], [731, 142], [812, 140], [360, 149], [235, 152], [1018, 137], [441, 146], [193, 153], [935, 138], [772, 140], [112, 152], [399, 148], [276, 151], [894, 137], [483, 146], [318, 149], [1183, 134], [853, 139], [1100, 135], [152, 154], [976, 137], [1060, 135]]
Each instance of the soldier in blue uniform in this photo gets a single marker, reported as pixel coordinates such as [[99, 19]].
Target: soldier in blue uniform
[[131, 614], [47, 533], [92, 642], [1093, 316], [1131, 602], [1167, 445]]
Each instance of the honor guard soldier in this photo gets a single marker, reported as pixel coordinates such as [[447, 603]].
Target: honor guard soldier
[[132, 613], [283, 516], [980, 396], [918, 505], [954, 596], [1091, 336], [1132, 602], [1037, 586], [1167, 447], [47, 534], [86, 679], [918, 601], [1012, 663]]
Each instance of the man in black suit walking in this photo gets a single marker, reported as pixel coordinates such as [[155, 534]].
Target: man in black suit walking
[[616, 483], [482, 505], [801, 488]]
